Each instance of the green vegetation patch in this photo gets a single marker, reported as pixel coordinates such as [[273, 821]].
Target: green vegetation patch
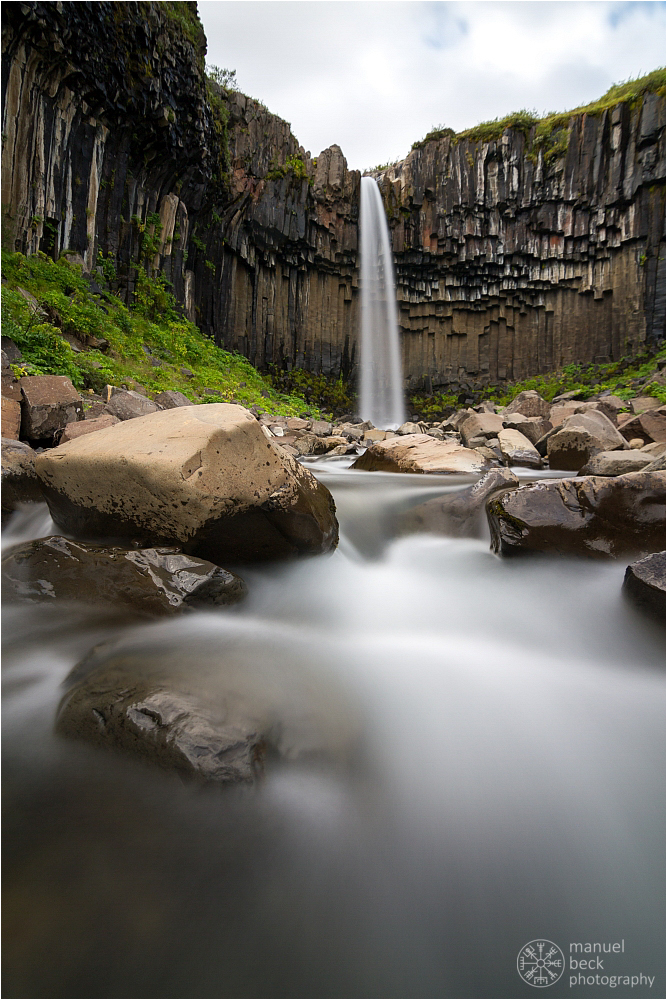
[[551, 131], [625, 378], [150, 345], [293, 165]]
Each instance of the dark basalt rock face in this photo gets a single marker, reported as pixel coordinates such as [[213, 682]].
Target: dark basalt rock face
[[594, 516], [505, 265]]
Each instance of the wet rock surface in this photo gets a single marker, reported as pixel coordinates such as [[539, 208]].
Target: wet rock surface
[[20, 483], [145, 581], [644, 585], [206, 711], [594, 516], [460, 515], [204, 478]]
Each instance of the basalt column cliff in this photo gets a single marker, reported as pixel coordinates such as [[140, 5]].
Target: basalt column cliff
[[505, 266]]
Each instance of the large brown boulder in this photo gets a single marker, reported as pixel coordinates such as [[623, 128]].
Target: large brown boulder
[[204, 478], [49, 403], [616, 463], [595, 516], [582, 436], [148, 581], [419, 453]]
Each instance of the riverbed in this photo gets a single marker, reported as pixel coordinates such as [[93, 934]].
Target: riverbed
[[503, 781]]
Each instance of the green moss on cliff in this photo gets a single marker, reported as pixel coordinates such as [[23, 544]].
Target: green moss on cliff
[[151, 344], [550, 133]]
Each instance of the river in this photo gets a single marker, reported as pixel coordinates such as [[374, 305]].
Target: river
[[504, 782]]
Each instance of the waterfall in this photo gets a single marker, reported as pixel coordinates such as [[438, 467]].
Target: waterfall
[[381, 374]]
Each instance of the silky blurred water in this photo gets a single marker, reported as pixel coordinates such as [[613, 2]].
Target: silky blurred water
[[505, 782]]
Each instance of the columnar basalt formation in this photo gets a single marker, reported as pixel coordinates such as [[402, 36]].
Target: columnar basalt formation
[[505, 267]]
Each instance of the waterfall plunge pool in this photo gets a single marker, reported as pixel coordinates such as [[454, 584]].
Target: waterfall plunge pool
[[507, 783]]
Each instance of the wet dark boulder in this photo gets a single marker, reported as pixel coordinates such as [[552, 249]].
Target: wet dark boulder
[[644, 584], [460, 514], [147, 581], [175, 729], [20, 483], [191, 701], [593, 516]]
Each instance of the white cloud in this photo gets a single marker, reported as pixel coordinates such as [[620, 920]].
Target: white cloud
[[375, 76]]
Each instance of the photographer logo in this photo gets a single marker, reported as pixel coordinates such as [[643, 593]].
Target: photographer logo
[[540, 963]]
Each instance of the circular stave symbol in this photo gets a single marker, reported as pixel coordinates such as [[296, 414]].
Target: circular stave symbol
[[540, 963]]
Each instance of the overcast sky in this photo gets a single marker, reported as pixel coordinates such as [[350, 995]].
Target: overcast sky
[[375, 76]]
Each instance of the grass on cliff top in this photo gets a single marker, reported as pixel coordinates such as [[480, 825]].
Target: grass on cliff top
[[150, 345], [625, 378], [523, 121]]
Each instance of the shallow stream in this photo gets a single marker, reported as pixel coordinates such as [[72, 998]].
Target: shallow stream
[[502, 782]]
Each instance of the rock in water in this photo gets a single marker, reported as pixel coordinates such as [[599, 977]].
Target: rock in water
[[458, 515], [594, 516], [644, 584], [203, 478], [419, 453], [150, 581], [19, 479], [190, 700]]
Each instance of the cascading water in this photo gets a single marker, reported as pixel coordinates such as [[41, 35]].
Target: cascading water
[[381, 378]]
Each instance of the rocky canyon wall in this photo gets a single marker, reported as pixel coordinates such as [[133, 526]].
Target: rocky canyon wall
[[504, 267]]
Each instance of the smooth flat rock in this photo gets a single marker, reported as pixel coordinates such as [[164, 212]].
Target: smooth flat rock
[[203, 478], [457, 515], [149, 581], [640, 404], [419, 453], [644, 584], [616, 463], [50, 402], [516, 449], [595, 516]]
